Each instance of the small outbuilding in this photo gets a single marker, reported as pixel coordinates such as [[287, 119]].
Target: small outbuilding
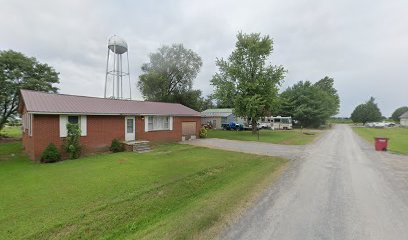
[[45, 116], [404, 119], [218, 116]]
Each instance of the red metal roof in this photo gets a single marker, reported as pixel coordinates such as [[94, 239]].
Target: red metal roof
[[40, 102]]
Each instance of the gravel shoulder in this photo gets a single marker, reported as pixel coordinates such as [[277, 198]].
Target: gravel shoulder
[[336, 188]]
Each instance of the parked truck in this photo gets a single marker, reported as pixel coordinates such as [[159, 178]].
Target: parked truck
[[232, 126]]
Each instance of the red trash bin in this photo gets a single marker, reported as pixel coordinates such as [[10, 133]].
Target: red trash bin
[[381, 144]]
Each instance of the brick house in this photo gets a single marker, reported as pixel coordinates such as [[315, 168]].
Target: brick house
[[45, 116]]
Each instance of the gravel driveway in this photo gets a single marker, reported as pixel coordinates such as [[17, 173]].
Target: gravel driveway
[[337, 188], [287, 151]]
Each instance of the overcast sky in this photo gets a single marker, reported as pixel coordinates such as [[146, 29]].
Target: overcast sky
[[362, 44]]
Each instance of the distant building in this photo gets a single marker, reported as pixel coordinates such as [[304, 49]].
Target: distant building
[[404, 119], [219, 116]]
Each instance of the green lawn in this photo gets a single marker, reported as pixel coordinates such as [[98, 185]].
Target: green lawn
[[398, 137], [174, 192], [14, 132], [287, 137]]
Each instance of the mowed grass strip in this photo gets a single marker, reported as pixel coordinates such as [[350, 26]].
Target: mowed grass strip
[[174, 192], [286, 137], [398, 137]]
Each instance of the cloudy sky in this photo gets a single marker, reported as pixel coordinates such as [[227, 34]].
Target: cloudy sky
[[362, 44]]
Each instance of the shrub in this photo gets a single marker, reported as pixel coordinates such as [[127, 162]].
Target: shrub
[[71, 143], [50, 154], [116, 146], [203, 132]]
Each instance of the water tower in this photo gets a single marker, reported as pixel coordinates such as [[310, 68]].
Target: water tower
[[115, 72]]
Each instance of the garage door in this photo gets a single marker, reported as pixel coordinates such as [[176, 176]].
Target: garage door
[[188, 128]]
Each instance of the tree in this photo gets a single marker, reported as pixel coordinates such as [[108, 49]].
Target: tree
[[245, 80], [20, 72], [310, 104], [72, 143], [398, 112], [366, 112], [169, 75]]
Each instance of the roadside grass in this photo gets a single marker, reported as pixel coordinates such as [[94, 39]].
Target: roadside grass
[[286, 137], [398, 137], [174, 192], [14, 132]]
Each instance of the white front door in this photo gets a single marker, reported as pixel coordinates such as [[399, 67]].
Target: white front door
[[130, 129]]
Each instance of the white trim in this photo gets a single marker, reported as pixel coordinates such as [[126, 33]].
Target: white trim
[[30, 128], [78, 113], [153, 120], [130, 136], [112, 114], [83, 123], [146, 121], [63, 120]]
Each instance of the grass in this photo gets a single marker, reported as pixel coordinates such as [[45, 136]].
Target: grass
[[174, 192], [14, 132], [287, 137], [398, 137]]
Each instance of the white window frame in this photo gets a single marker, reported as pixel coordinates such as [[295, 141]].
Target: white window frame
[[82, 123], [158, 123]]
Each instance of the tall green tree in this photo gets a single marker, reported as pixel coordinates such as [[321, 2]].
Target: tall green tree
[[246, 81], [310, 104], [398, 112], [169, 75], [18, 71], [366, 112]]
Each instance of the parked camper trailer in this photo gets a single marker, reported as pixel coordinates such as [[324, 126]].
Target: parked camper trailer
[[282, 123], [276, 123]]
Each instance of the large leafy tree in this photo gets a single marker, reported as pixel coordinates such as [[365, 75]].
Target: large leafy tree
[[398, 112], [18, 71], [366, 112], [245, 81], [310, 104], [169, 75]]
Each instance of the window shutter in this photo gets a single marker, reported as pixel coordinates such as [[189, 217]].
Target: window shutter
[[83, 125], [146, 119], [171, 123], [63, 125]]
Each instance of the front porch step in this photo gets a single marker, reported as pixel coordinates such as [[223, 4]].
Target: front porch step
[[138, 146]]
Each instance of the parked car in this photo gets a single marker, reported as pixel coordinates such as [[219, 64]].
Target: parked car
[[380, 124]]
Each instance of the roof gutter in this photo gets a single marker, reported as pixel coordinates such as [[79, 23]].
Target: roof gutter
[[110, 114]]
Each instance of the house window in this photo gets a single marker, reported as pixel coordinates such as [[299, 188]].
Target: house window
[[73, 119], [129, 125], [158, 123]]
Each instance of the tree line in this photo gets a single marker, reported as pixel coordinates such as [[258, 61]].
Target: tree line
[[370, 112], [245, 81]]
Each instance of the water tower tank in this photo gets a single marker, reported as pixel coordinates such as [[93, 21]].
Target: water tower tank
[[117, 45], [117, 68]]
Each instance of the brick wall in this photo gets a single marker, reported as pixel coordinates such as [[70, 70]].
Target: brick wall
[[165, 135], [100, 132]]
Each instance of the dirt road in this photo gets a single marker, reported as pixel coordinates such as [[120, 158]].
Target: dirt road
[[338, 189]]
